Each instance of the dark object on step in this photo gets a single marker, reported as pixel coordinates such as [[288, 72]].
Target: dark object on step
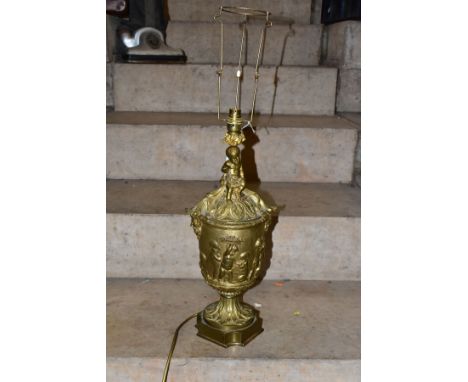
[[117, 8], [334, 11], [147, 45]]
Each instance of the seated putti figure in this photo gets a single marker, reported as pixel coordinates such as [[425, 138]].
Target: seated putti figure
[[233, 178], [232, 201]]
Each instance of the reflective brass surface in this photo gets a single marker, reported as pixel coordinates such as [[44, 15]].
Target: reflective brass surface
[[231, 223]]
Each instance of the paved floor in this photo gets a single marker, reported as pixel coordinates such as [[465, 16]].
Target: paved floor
[[142, 315]]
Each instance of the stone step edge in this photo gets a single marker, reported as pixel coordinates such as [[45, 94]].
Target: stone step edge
[[175, 359], [210, 119], [276, 370], [229, 66], [284, 21], [171, 197]]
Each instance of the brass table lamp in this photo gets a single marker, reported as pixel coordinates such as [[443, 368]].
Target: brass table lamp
[[231, 222]]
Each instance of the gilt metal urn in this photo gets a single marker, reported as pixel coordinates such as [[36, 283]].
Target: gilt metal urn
[[231, 223]]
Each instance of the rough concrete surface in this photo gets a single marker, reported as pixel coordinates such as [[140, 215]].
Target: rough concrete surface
[[322, 342], [356, 119], [348, 97], [109, 86], [193, 88], [344, 45], [203, 10], [165, 246], [286, 45], [320, 149], [246, 370], [320, 245], [316, 16], [352, 117]]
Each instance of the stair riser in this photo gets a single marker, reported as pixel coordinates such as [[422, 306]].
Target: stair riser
[[298, 45], [164, 246], [344, 51], [344, 45], [349, 91], [215, 370], [192, 152], [193, 88], [109, 86], [204, 10]]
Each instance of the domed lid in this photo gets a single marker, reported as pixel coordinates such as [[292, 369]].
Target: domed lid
[[245, 206]]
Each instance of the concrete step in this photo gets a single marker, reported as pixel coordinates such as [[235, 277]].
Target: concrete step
[[349, 91], [356, 119], [317, 235], [189, 146], [320, 343], [342, 42], [109, 86], [316, 17], [284, 45], [204, 10], [343, 45], [343, 50], [193, 88]]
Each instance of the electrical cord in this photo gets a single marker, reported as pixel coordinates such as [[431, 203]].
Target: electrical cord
[[174, 341]]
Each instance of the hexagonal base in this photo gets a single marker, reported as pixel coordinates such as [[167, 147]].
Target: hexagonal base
[[229, 337]]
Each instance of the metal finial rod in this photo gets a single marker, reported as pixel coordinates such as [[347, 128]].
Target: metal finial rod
[[257, 65], [239, 66], [217, 18], [220, 71]]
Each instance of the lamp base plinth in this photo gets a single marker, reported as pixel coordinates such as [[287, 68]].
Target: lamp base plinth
[[229, 336]]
